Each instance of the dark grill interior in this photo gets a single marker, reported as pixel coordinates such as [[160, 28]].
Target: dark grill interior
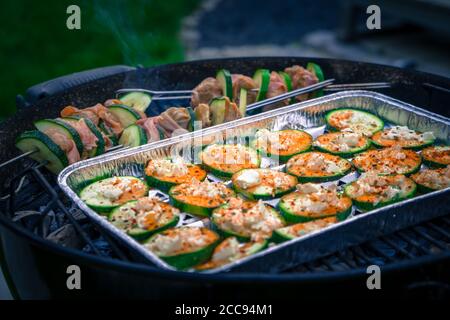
[[49, 215]]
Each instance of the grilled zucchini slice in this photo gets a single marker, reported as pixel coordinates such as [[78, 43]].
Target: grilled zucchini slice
[[171, 178], [100, 148], [225, 220], [107, 194], [318, 167], [230, 250], [217, 109], [302, 206], [126, 218], [317, 71], [133, 136], [224, 160], [263, 183], [354, 120], [283, 143], [403, 137], [126, 115], [388, 190], [388, 161], [430, 180], [46, 150], [300, 229], [436, 156], [262, 79], [191, 254], [225, 80], [139, 101], [342, 144], [62, 128], [195, 197]]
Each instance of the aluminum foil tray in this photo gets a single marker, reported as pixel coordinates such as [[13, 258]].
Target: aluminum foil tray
[[308, 116]]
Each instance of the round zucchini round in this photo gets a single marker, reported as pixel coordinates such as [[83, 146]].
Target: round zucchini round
[[94, 194], [298, 166], [45, 150], [436, 156], [221, 168], [294, 142], [365, 122], [265, 189], [126, 115], [139, 101], [329, 142], [165, 183], [300, 229], [246, 236], [424, 185], [245, 249], [195, 205], [189, 259], [287, 209], [388, 161], [369, 202], [133, 136], [380, 140], [262, 80], [124, 216]]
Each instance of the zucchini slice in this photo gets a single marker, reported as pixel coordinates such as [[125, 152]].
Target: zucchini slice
[[107, 194], [224, 160], [225, 80], [193, 118], [100, 143], [313, 201], [163, 174], [263, 183], [246, 220], [139, 101], [62, 128], [343, 144], [318, 167], [301, 229], [288, 82], [230, 250], [217, 109], [183, 247], [429, 180], [107, 131], [47, 150], [126, 115], [262, 80], [353, 120], [133, 136], [143, 218], [403, 137], [373, 191], [436, 156], [388, 161], [243, 94], [199, 198], [317, 71], [283, 143]]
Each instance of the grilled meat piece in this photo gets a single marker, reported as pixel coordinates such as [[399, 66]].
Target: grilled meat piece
[[66, 144], [231, 111], [241, 81], [205, 91], [276, 87], [301, 78], [180, 115], [149, 126], [203, 114]]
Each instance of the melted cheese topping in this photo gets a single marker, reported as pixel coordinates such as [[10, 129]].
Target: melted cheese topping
[[167, 167], [301, 229], [433, 179], [403, 137], [439, 154], [351, 121], [248, 218], [203, 193], [282, 142], [181, 240], [230, 158], [264, 181]]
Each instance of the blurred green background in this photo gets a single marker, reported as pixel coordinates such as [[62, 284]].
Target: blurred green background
[[37, 46]]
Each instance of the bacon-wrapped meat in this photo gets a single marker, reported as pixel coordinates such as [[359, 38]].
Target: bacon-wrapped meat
[[301, 78]]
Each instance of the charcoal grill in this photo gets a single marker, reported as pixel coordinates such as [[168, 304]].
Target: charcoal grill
[[42, 233]]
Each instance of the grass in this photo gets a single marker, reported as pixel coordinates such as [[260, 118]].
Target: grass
[[37, 46]]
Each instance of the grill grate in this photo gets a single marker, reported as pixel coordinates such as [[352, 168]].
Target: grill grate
[[47, 213]]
